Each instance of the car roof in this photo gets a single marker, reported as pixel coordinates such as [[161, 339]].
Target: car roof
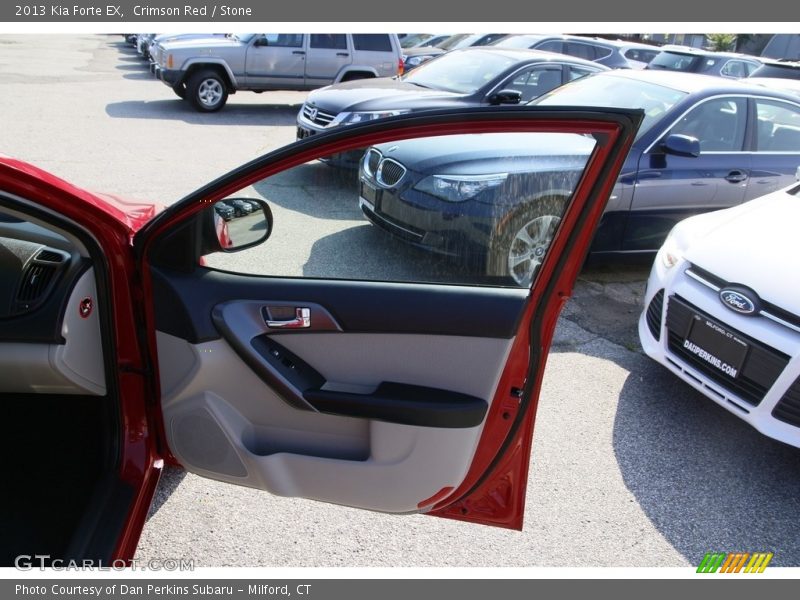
[[694, 82], [537, 37], [522, 54], [673, 49]]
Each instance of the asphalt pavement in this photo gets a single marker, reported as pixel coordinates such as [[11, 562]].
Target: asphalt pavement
[[630, 466]]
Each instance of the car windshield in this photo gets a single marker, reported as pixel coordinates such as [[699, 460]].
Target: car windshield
[[451, 42], [616, 92], [460, 72], [517, 41]]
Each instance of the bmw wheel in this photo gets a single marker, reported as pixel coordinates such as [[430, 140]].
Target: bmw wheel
[[519, 251]]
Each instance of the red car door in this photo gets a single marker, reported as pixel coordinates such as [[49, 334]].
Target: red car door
[[293, 368]]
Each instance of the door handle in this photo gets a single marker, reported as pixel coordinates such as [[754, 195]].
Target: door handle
[[298, 51], [736, 176], [342, 54], [302, 320]]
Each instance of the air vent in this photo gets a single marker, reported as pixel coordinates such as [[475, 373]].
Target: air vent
[[35, 282], [653, 315], [50, 256]]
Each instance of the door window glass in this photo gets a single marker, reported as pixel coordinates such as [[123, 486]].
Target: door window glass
[[284, 40], [778, 128], [457, 209], [334, 41], [718, 124]]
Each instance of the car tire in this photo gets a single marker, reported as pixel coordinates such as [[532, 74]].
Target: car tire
[[180, 90], [207, 91], [517, 251]]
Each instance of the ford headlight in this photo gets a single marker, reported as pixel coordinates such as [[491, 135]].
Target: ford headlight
[[351, 118], [458, 188], [671, 251]]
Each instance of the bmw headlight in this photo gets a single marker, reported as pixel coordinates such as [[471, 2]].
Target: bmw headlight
[[351, 118], [458, 188]]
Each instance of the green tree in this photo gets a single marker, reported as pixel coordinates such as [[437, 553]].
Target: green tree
[[720, 42]]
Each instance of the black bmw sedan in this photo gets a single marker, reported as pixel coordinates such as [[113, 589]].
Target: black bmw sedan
[[705, 143]]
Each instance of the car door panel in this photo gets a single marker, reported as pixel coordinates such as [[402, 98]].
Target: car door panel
[[399, 397]]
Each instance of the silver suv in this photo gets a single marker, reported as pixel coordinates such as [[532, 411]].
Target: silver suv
[[205, 71]]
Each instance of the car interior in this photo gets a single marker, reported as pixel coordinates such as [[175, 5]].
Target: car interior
[[61, 442]]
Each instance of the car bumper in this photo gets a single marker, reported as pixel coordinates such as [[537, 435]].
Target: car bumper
[[169, 77], [457, 229], [687, 329]]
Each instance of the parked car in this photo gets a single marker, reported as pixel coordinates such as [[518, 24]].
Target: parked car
[[695, 60], [206, 71], [395, 397], [240, 207], [461, 78], [226, 211], [722, 311], [606, 52], [692, 155], [413, 57]]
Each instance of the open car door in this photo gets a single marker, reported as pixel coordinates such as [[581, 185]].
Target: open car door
[[382, 349], [341, 363]]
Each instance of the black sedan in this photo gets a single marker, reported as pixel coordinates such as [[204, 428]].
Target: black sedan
[[459, 79], [705, 143]]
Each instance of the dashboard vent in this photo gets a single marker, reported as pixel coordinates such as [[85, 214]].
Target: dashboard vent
[[35, 282], [50, 256]]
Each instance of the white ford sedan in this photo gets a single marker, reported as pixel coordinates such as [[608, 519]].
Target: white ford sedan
[[722, 310]]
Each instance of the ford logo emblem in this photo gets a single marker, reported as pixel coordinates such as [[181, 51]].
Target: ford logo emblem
[[737, 301]]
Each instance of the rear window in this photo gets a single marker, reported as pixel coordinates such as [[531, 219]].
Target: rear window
[[780, 71], [675, 61], [336, 41], [375, 42]]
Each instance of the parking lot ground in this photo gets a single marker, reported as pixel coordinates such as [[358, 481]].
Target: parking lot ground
[[630, 466]]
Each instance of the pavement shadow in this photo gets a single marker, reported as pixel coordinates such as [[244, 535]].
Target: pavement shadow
[[314, 189], [261, 115], [364, 252], [705, 479], [170, 479]]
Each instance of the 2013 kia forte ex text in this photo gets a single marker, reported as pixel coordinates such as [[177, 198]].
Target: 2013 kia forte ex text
[[130, 337], [725, 316]]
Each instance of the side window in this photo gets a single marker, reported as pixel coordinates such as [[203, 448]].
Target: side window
[[719, 124], [284, 40], [534, 82], [332, 41], [460, 209], [374, 42], [578, 72], [778, 128], [601, 52], [551, 46], [733, 68], [488, 39], [580, 50]]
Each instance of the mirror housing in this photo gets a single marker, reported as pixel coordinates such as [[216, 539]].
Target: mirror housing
[[261, 41], [237, 224], [681, 145], [505, 97]]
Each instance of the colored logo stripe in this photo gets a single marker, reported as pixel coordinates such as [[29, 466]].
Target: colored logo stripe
[[733, 562]]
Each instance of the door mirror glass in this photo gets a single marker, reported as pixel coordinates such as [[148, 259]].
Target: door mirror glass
[[241, 223], [681, 145]]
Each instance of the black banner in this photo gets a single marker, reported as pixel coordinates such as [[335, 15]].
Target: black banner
[[363, 11]]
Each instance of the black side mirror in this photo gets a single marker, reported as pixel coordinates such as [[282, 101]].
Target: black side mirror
[[681, 145], [239, 223], [506, 97], [261, 41]]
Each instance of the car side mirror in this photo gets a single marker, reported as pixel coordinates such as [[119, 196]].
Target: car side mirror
[[681, 145], [262, 41], [506, 97], [239, 223]]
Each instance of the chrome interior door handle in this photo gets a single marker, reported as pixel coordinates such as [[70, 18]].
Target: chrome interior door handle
[[302, 319]]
